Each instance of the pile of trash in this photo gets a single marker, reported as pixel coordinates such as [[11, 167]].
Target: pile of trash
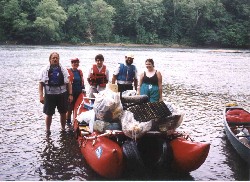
[[108, 113]]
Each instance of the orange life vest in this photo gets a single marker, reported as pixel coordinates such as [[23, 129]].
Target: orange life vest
[[71, 76], [98, 77]]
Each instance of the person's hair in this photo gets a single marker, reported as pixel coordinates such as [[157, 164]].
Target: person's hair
[[52, 54], [99, 56], [151, 61]]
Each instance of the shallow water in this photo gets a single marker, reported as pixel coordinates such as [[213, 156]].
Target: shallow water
[[197, 81]]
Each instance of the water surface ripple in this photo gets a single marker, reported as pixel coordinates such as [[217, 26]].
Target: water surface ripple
[[197, 81]]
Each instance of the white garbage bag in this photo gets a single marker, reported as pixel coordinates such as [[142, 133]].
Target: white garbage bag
[[107, 105], [86, 116], [132, 128]]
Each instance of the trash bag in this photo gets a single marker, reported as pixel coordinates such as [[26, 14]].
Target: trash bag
[[132, 128], [107, 106], [102, 126], [129, 93], [86, 116]]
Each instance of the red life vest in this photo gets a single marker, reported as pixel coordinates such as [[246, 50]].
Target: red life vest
[[98, 77], [71, 76]]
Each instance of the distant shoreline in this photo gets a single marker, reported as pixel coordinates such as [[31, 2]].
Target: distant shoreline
[[127, 45], [124, 45]]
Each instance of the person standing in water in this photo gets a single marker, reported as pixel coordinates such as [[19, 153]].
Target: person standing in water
[[126, 75], [150, 82], [77, 81], [55, 90], [98, 76]]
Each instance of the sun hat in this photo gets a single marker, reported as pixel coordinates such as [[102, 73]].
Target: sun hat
[[130, 55]]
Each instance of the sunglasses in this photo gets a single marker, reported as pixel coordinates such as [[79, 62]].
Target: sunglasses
[[75, 62]]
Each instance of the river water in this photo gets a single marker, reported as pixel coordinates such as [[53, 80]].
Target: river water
[[197, 81]]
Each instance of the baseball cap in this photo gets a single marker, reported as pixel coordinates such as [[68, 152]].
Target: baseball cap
[[74, 59]]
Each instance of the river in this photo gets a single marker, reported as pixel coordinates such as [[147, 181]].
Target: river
[[197, 81]]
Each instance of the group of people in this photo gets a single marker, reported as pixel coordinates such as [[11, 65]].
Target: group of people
[[60, 87]]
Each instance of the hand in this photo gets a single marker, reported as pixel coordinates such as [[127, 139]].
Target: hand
[[42, 99], [70, 99]]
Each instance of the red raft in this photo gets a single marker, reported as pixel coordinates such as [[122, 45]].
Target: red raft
[[111, 153]]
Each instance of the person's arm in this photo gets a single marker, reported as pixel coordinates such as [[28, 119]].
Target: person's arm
[[140, 82], [115, 74], [114, 79], [70, 91], [107, 75], [135, 83], [40, 89], [160, 84], [136, 79], [89, 74]]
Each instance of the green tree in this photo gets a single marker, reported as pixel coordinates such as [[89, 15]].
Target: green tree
[[151, 21], [100, 24], [10, 13], [77, 22], [50, 20]]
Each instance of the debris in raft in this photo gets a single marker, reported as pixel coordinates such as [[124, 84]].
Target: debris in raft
[[150, 111]]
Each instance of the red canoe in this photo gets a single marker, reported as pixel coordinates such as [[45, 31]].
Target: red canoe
[[110, 158]]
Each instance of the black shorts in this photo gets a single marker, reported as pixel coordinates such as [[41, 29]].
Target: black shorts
[[55, 100], [124, 87], [72, 104]]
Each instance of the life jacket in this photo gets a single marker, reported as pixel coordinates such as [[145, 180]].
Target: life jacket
[[56, 77], [71, 76], [98, 77], [126, 72]]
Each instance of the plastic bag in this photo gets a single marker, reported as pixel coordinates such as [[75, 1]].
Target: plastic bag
[[86, 116], [107, 106], [132, 128], [128, 93]]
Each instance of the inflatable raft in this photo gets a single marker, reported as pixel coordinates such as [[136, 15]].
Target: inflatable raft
[[112, 152]]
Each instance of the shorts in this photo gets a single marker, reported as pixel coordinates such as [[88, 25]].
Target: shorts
[[152, 91], [124, 87], [55, 100]]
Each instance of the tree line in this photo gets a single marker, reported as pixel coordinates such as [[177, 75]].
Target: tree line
[[220, 23]]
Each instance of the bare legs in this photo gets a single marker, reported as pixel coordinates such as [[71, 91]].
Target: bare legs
[[68, 115], [63, 120], [48, 121]]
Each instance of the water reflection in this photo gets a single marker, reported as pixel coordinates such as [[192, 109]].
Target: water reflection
[[59, 156], [235, 162]]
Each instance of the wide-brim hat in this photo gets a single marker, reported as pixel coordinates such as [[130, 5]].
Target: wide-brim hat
[[130, 55]]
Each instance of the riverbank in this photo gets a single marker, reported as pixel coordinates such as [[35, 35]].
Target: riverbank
[[216, 48], [127, 45]]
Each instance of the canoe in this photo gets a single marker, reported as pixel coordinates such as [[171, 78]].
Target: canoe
[[237, 128], [112, 153]]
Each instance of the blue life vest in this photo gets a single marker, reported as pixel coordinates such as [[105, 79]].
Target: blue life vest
[[77, 81], [55, 76], [126, 72]]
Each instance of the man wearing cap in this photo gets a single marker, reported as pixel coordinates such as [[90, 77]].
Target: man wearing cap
[[126, 74]]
